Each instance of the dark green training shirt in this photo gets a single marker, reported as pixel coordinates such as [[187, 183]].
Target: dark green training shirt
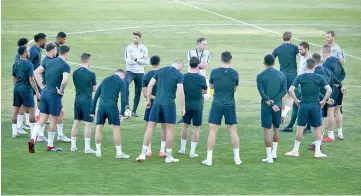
[[286, 54], [224, 80], [167, 79], [311, 84], [146, 79], [54, 69], [109, 91], [84, 80], [193, 84], [22, 70], [271, 85]]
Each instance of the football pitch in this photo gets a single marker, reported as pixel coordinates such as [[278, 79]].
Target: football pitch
[[249, 30]]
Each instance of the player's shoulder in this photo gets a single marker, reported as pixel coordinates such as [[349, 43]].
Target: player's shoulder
[[206, 52]]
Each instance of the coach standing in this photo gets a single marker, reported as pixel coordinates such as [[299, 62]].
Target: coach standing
[[136, 56]]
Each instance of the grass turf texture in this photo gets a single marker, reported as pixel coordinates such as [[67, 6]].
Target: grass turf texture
[[77, 173]]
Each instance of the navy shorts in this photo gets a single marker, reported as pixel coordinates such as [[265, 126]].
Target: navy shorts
[[23, 97], [270, 117], [82, 110], [195, 115], [309, 112], [337, 96], [217, 112], [104, 113], [163, 114], [147, 112], [50, 104], [289, 79]]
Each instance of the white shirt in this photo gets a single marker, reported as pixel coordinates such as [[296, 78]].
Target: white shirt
[[202, 56], [137, 51], [302, 68], [337, 52]]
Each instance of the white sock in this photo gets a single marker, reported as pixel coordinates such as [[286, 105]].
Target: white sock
[[183, 144], [285, 111], [87, 143], [32, 126], [330, 134], [193, 147], [169, 152], [73, 142], [35, 132], [162, 146], [41, 131], [98, 147], [119, 149], [144, 149], [339, 131], [318, 146], [27, 118], [51, 136], [209, 156], [14, 129], [37, 112], [149, 147], [59, 127], [19, 121], [269, 153], [236, 153], [274, 149], [296, 147]]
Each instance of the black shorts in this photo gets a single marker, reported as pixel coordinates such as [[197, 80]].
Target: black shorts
[[217, 112], [104, 113], [82, 111], [270, 117], [195, 115]]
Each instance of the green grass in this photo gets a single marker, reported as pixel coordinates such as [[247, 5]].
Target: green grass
[[76, 173]]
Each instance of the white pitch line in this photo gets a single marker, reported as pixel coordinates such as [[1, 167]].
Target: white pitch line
[[251, 25]]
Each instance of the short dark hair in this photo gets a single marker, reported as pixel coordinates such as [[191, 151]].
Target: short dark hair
[[119, 71], [50, 46], [310, 63], [23, 41], [331, 32], [154, 60], [61, 35], [64, 49], [305, 45], [85, 56], [138, 33], [269, 60], [226, 57], [39, 36], [199, 40], [326, 48], [194, 62], [22, 50], [287, 36], [317, 58]]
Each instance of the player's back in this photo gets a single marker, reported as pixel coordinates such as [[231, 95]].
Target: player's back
[[273, 81], [110, 88], [334, 65], [35, 56], [84, 80], [224, 81], [193, 84], [146, 79], [54, 69], [310, 86], [286, 54], [43, 63], [167, 79], [22, 70]]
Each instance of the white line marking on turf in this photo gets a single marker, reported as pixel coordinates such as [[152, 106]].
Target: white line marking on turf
[[251, 25]]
